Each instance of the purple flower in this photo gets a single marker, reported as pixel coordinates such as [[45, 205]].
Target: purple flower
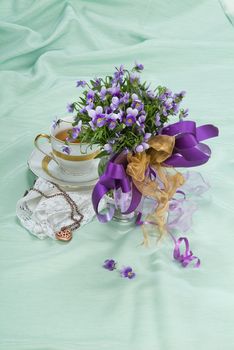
[[168, 93], [150, 94], [82, 110], [108, 148], [92, 125], [134, 78], [56, 123], [131, 116], [97, 82], [134, 97], [184, 113], [118, 75], [112, 120], [70, 107], [157, 119], [90, 96], [127, 272], [66, 149], [103, 93], [81, 83], [115, 103], [142, 147], [125, 98], [98, 117], [141, 120], [138, 105], [182, 94], [147, 136], [109, 264], [139, 66], [175, 107], [162, 97], [114, 91], [76, 131]]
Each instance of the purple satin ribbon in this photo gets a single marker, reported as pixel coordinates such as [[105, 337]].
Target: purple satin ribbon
[[115, 177], [188, 150], [186, 258]]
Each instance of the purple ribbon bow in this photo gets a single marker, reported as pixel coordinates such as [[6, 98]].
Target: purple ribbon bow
[[186, 258], [115, 177], [188, 150]]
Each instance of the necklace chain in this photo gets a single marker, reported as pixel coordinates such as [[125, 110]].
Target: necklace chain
[[72, 204]]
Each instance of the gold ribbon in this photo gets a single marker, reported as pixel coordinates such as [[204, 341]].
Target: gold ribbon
[[161, 148]]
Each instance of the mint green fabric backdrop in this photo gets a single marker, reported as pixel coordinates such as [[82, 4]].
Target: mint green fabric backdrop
[[56, 296]]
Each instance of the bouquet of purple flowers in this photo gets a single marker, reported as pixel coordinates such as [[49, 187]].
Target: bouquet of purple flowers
[[120, 113], [130, 122]]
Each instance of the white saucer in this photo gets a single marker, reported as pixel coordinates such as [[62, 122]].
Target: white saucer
[[45, 167]]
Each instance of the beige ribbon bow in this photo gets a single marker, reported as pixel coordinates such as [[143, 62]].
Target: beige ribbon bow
[[161, 148]]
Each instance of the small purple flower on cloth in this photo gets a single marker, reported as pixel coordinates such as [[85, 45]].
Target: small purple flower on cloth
[[109, 264], [66, 149], [127, 272]]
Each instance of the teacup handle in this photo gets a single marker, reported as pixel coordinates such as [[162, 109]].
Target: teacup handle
[[36, 144]]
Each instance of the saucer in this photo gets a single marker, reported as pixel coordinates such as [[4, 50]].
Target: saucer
[[45, 167]]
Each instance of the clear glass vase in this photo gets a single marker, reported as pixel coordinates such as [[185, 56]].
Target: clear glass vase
[[117, 198]]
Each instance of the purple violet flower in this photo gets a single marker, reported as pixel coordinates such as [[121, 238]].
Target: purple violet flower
[[66, 149], [168, 93], [98, 117], [179, 95], [142, 147], [131, 116], [157, 119], [97, 82], [70, 107], [127, 272], [134, 97], [150, 94], [92, 125], [134, 78], [103, 93], [90, 96], [76, 131], [147, 136], [82, 110], [115, 103], [184, 113], [112, 120], [139, 66], [125, 98], [81, 83], [141, 120], [109, 264], [175, 107], [114, 90], [56, 123], [108, 148], [118, 75]]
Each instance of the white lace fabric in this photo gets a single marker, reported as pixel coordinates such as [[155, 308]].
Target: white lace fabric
[[43, 217]]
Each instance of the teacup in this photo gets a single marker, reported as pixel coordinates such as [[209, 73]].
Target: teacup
[[79, 160]]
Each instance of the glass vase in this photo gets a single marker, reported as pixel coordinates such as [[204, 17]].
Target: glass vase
[[117, 198]]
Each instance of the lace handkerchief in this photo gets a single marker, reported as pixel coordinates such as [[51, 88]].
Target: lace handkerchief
[[44, 217]]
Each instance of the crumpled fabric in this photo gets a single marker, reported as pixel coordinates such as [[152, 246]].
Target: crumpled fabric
[[43, 217]]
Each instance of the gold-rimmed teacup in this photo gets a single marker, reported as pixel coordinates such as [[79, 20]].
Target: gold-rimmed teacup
[[81, 156]]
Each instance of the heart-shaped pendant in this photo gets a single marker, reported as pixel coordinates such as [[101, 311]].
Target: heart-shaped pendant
[[64, 235]]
